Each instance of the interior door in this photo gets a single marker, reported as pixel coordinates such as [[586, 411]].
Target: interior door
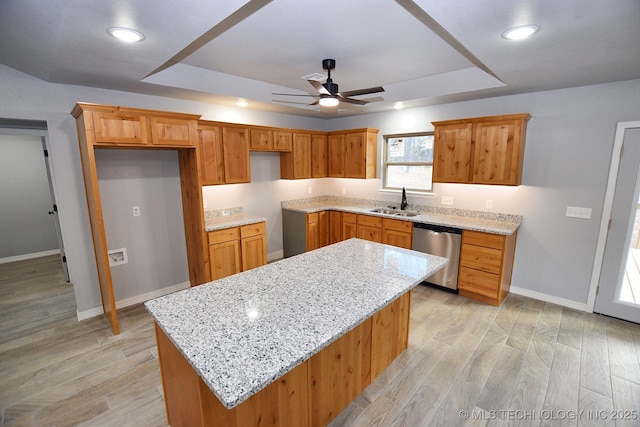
[[620, 209]]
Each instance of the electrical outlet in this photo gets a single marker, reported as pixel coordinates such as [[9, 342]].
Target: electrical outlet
[[578, 212], [310, 190], [446, 200], [136, 211], [488, 204], [344, 190]]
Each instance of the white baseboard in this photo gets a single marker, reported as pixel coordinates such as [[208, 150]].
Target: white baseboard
[[93, 312], [29, 256], [548, 298]]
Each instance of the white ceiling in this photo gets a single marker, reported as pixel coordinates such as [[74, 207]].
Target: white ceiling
[[421, 51]]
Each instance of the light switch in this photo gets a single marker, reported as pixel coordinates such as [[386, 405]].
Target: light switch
[[578, 212]]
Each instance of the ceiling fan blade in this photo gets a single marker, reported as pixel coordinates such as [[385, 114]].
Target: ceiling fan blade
[[293, 94], [315, 103], [319, 87], [352, 101], [362, 91]]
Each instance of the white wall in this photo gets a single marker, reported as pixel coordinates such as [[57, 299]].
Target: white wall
[[25, 200], [155, 240], [567, 155]]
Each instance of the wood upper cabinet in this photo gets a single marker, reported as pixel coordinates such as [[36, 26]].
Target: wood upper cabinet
[[297, 163], [452, 153], [484, 150], [352, 154], [262, 139], [211, 155], [335, 155], [318, 155], [235, 148], [115, 126], [486, 263], [499, 150], [282, 140]]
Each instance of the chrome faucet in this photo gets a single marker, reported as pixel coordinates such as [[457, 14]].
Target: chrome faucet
[[403, 203]]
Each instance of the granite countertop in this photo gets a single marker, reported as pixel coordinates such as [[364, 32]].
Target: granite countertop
[[227, 218], [487, 222], [243, 332]]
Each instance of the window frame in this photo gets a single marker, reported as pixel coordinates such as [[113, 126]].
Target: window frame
[[386, 162]]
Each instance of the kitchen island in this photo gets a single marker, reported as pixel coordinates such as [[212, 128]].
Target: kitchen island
[[289, 343]]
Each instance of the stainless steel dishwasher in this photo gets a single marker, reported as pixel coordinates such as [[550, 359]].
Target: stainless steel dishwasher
[[441, 241]]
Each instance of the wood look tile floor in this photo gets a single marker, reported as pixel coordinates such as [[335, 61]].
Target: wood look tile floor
[[525, 363]]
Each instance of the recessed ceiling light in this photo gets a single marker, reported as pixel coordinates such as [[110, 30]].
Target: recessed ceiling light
[[125, 34], [329, 101], [242, 103], [522, 32], [398, 105]]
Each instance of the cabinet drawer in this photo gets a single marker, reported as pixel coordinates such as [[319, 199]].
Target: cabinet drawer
[[478, 238], [479, 282], [348, 217], [481, 258], [252, 229], [224, 235], [397, 225], [370, 221]]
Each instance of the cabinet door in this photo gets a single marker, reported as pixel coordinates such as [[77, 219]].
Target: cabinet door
[[254, 251], [235, 142], [301, 155], [261, 140], [349, 228], [452, 153], [372, 234], [318, 156], [323, 228], [211, 156], [313, 232], [172, 132], [498, 152], [396, 238], [120, 128], [335, 155], [224, 259], [354, 158], [335, 227], [282, 140]]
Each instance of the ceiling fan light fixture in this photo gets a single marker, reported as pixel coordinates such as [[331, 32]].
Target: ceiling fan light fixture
[[329, 101], [125, 34], [521, 32]]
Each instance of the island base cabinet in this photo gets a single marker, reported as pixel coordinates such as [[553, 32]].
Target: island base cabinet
[[311, 394]]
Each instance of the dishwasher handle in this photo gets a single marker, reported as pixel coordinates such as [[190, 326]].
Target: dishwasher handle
[[437, 228]]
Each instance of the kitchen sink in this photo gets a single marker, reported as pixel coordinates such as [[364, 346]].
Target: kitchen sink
[[395, 212]]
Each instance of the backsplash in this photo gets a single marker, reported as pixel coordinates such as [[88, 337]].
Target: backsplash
[[350, 201], [210, 214]]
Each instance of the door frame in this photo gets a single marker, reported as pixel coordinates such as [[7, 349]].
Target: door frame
[[618, 140]]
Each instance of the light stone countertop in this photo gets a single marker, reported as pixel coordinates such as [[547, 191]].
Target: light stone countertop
[[243, 332], [226, 218], [487, 222]]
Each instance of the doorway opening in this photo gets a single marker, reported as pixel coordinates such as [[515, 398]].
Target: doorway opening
[[630, 289]]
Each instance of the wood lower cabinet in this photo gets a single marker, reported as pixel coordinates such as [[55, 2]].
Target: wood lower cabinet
[[311, 394], [335, 227], [369, 228], [486, 263], [317, 230], [236, 249], [349, 225], [397, 233], [482, 150], [224, 252]]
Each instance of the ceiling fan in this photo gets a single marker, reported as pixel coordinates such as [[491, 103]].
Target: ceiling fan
[[329, 95]]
